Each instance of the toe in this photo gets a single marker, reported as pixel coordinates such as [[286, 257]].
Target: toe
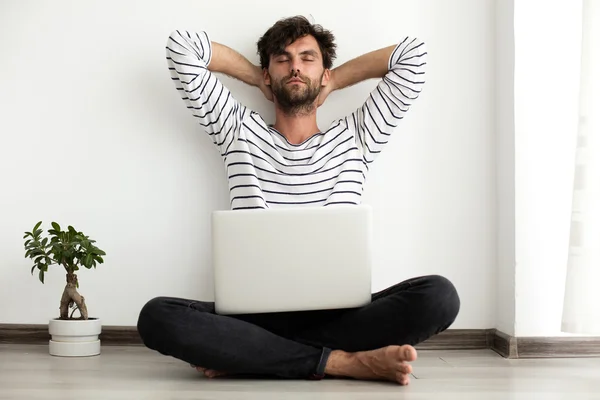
[[408, 353], [405, 368], [403, 379]]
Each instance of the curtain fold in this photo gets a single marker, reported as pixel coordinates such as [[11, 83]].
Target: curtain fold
[[581, 309]]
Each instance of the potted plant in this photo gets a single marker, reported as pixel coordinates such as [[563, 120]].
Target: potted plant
[[70, 336]]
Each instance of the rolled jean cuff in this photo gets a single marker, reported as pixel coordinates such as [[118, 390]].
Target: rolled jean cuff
[[320, 371]]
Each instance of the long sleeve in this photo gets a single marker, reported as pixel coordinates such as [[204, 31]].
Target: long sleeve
[[387, 104], [220, 115]]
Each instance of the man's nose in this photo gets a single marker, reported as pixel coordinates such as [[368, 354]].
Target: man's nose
[[295, 66]]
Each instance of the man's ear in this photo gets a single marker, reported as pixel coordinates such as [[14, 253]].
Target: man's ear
[[326, 77], [266, 77]]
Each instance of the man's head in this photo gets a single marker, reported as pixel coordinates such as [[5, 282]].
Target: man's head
[[296, 57]]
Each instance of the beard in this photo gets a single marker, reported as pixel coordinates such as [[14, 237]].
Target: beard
[[296, 99]]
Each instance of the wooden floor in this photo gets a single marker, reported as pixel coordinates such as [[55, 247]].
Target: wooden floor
[[28, 372]]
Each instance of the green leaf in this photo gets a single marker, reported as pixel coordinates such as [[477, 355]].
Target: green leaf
[[41, 275], [32, 269], [27, 234], [39, 258], [45, 242], [37, 225], [56, 226]]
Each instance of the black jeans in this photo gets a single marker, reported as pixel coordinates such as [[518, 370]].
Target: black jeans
[[296, 344]]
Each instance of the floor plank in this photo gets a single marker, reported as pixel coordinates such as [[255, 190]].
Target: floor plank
[[28, 372]]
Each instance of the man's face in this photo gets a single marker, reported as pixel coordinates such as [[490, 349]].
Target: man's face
[[296, 75]]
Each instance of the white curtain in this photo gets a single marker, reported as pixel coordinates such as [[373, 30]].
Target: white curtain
[[581, 310]]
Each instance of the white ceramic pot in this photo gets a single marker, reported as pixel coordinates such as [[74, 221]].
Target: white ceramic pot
[[74, 338]]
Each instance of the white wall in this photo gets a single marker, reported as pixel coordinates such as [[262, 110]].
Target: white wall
[[537, 65], [94, 135], [505, 166], [546, 93]]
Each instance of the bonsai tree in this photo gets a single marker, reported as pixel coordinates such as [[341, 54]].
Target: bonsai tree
[[69, 248]]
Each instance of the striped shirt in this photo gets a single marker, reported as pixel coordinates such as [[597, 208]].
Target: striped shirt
[[264, 170]]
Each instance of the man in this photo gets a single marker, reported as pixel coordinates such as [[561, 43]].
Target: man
[[294, 163]]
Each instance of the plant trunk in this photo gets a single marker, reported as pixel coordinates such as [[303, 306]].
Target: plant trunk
[[70, 296]]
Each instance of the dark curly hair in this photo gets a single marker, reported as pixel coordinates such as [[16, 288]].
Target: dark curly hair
[[288, 30]]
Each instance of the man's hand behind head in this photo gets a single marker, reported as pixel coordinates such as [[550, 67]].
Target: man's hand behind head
[[258, 81], [327, 89], [266, 90]]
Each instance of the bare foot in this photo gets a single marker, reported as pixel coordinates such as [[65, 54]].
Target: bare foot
[[209, 373], [388, 363]]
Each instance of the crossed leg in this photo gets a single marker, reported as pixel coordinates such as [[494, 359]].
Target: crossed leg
[[371, 342]]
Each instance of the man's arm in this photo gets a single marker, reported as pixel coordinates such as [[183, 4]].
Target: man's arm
[[192, 58], [401, 68], [227, 61], [368, 66]]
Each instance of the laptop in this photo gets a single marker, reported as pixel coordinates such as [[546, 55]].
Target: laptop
[[291, 259]]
